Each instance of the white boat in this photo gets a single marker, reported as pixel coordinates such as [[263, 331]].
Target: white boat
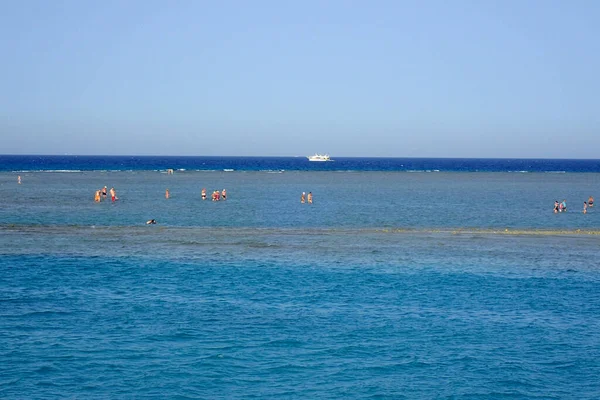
[[319, 157]]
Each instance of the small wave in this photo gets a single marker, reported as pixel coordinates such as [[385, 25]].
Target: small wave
[[44, 313], [556, 172], [60, 170], [228, 170], [46, 170]]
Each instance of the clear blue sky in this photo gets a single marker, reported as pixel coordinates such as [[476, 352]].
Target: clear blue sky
[[353, 78]]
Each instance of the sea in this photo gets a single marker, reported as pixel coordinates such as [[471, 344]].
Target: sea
[[406, 278]]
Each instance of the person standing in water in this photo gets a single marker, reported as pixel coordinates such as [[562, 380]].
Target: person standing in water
[[556, 206], [19, 179], [310, 198], [167, 194], [303, 198], [97, 196], [563, 205], [591, 201], [224, 194], [113, 194], [585, 206], [103, 192], [203, 193]]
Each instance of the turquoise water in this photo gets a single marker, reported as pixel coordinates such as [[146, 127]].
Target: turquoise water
[[391, 285]]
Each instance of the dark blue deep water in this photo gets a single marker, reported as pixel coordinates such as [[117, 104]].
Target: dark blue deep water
[[406, 278], [149, 163]]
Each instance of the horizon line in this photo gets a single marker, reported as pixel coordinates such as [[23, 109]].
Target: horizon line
[[297, 156]]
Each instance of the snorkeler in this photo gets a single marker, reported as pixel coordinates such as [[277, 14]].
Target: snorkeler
[[151, 222]]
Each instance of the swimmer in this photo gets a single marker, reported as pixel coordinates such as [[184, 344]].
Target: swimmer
[[19, 179], [104, 192], [591, 202], [203, 194], [585, 206], [113, 194], [224, 194], [167, 194], [151, 222], [303, 197], [310, 199]]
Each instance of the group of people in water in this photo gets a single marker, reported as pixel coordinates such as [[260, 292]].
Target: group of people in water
[[216, 195], [304, 198], [562, 207], [102, 194]]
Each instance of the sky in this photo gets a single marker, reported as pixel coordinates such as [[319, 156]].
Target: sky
[[462, 78]]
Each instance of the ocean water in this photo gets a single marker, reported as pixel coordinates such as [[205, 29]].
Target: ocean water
[[458, 283]]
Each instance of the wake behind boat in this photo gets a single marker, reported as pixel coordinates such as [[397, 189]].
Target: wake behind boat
[[319, 157]]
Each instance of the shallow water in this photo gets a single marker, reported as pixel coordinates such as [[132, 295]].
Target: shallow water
[[341, 199], [391, 285]]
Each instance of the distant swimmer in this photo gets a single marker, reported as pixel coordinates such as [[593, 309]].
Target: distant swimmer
[[151, 222], [556, 206], [19, 179], [167, 194], [113, 194], [203, 194], [224, 194], [170, 171], [591, 201], [585, 206], [104, 192], [97, 196], [310, 198], [303, 197]]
